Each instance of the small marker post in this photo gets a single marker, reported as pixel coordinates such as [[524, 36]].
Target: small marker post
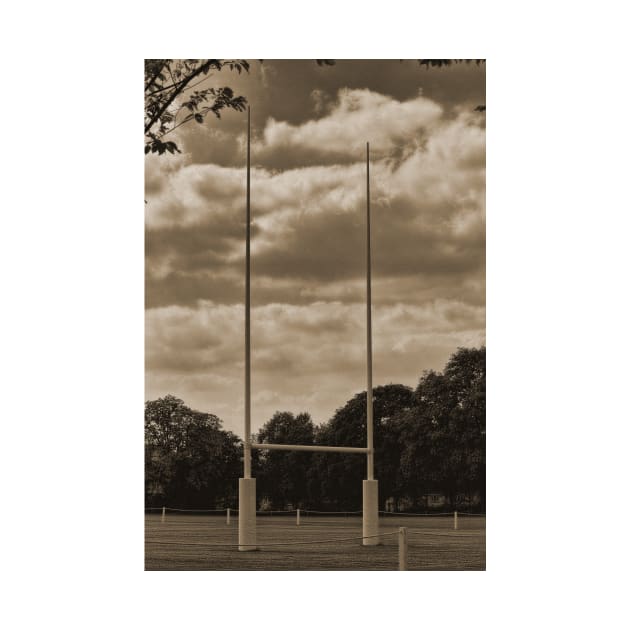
[[163, 520], [297, 522], [402, 549], [228, 516], [455, 520]]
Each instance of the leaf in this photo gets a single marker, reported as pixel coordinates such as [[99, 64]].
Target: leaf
[[199, 118]]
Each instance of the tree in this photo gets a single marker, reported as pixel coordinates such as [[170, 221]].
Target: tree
[[168, 92], [418, 464], [282, 475], [444, 434], [189, 460], [425, 440], [340, 475]]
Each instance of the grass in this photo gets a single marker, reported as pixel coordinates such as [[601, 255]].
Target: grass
[[206, 543]]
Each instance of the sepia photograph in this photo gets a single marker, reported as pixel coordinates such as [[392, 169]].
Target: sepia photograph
[[315, 315], [377, 339]]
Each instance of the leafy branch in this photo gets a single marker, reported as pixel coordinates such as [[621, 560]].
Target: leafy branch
[[166, 80]]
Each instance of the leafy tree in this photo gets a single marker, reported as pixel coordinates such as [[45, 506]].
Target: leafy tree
[[340, 475], [444, 433], [417, 470], [189, 459], [171, 101], [282, 475]]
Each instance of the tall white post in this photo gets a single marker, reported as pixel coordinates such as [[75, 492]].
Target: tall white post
[[247, 485], [227, 520], [163, 519], [368, 265], [455, 520], [247, 453], [370, 485], [298, 517]]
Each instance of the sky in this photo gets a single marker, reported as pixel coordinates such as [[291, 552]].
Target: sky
[[310, 125]]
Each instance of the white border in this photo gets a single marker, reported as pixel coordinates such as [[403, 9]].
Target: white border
[[557, 315]]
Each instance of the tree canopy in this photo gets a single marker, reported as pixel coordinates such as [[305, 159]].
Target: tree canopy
[[427, 440], [284, 475], [189, 459]]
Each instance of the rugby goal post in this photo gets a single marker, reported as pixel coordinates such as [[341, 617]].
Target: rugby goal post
[[247, 484]]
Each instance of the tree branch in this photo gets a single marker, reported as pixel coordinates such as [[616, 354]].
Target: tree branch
[[155, 76], [195, 73]]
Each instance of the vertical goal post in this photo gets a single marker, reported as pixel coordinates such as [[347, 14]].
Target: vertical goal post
[[247, 484], [370, 485]]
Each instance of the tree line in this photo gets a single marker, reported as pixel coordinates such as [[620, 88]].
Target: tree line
[[430, 439]]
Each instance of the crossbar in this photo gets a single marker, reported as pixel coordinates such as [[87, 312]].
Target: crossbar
[[304, 447]]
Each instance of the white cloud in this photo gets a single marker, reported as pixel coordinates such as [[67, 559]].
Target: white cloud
[[309, 220], [308, 258], [357, 116], [298, 351]]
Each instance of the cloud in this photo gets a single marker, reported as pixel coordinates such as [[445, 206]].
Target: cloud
[[308, 253], [357, 116], [309, 223], [298, 351]]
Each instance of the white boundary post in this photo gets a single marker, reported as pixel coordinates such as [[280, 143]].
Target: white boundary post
[[370, 485], [227, 521], [402, 549], [297, 522], [163, 519], [455, 519]]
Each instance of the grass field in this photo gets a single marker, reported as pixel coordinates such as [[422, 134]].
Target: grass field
[[188, 542]]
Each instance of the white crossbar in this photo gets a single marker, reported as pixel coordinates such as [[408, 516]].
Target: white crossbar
[[301, 447]]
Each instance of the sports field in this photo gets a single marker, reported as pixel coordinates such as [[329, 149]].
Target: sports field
[[187, 542]]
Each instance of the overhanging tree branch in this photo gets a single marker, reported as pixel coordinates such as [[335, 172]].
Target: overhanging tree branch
[[178, 90], [166, 82]]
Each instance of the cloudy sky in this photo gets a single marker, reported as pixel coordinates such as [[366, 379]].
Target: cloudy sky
[[309, 129]]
